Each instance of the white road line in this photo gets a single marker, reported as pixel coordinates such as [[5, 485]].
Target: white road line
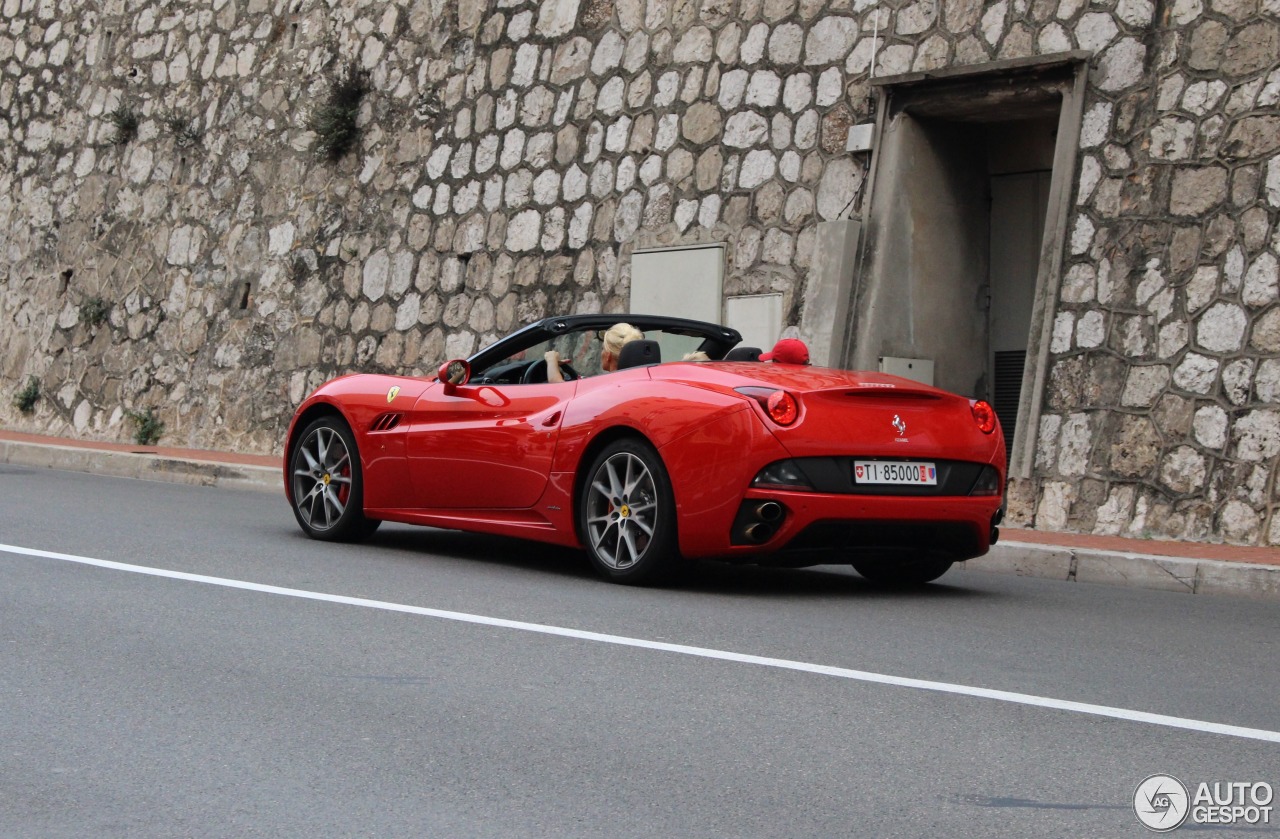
[[700, 652]]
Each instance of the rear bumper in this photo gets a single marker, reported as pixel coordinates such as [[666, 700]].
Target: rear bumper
[[712, 469], [819, 528]]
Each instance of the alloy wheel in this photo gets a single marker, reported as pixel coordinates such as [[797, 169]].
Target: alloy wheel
[[322, 478], [622, 511]]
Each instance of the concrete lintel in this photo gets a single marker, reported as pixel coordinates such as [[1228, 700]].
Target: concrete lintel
[[988, 68]]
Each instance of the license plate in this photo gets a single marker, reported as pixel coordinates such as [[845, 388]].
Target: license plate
[[912, 473]]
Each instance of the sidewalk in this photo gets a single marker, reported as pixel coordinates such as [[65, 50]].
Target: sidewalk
[[1189, 567]]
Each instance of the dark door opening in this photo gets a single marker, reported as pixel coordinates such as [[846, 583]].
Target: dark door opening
[[1018, 205], [955, 271], [964, 230]]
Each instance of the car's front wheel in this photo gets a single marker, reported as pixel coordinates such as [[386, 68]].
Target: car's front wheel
[[904, 572], [627, 514], [327, 483]]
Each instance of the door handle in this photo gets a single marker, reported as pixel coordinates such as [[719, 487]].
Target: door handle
[[550, 421]]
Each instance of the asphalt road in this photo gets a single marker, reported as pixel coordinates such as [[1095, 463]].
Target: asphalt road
[[140, 705]]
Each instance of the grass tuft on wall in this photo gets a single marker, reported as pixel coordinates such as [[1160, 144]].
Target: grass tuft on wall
[[334, 121]]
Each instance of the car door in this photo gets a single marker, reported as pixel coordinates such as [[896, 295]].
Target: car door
[[484, 445]]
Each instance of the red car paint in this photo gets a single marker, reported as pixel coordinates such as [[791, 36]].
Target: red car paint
[[506, 459]]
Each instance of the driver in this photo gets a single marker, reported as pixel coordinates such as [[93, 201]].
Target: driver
[[614, 338]]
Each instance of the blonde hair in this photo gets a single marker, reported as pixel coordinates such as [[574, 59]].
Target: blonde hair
[[619, 334], [696, 355]]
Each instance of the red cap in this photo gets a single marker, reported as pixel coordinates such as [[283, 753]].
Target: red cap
[[787, 351]]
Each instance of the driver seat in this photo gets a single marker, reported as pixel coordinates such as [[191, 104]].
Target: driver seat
[[639, 353]]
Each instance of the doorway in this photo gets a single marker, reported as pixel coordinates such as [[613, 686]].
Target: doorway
[[965, 232]]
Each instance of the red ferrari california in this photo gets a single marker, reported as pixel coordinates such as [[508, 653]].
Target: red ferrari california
[[660, 460]]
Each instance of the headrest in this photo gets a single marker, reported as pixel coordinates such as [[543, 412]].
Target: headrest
[[639, 352], [743, 354]]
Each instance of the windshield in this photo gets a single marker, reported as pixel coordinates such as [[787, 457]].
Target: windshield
[[581, 352]]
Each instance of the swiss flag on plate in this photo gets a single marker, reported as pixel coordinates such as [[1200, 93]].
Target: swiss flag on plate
[[859, 471]]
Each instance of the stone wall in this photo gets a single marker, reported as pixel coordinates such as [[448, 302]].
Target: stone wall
[[1161, 409], [512, 155]]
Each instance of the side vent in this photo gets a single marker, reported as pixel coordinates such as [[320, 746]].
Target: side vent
[[386, 422]]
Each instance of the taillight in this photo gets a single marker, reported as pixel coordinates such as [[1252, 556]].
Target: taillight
[[782, 407], [985, 416]]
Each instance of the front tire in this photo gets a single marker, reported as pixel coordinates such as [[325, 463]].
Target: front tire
[[627, 514], [904, 572], [328, 484]]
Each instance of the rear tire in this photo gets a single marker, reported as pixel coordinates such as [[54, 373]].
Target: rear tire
[[627, 514], [902, 573], [327, 483]]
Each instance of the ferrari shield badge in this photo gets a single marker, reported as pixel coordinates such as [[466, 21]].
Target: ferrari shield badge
[[391, 394]]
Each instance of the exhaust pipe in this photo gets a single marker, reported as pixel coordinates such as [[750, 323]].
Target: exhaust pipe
[[757, 521], [769, 511]]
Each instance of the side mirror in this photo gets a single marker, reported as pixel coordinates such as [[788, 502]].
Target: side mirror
[[453, 373]]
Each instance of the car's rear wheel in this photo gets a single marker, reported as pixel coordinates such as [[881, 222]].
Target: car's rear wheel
[[627, 514], [902, 572], [327, 483]]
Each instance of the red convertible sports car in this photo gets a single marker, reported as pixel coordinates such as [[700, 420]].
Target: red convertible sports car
[[661, 460]]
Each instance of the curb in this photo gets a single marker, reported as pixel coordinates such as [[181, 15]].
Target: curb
[[147, 467], [1025, 559], [1135, 570]]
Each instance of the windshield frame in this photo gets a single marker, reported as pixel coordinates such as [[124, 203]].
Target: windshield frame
[[716, 340]]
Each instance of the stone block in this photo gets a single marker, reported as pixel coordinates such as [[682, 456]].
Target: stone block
[[1257, 436], [571, 60], [1025, 560], [1238, 578], [1221, 328], [830, 40], [557, 17], [1121, 65], [1144, 385], [1183, 470], [1251, 49], [1114, 568], [1196, 190], [1135, 447], [1262, 281], [743, 129]]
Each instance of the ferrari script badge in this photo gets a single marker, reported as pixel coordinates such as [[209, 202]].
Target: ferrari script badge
[[899, 424], [391, 394]]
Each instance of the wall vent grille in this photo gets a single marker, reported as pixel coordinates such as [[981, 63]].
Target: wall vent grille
[[1008, 388]]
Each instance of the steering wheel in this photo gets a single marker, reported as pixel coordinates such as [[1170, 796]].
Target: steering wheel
[[537, 372]]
